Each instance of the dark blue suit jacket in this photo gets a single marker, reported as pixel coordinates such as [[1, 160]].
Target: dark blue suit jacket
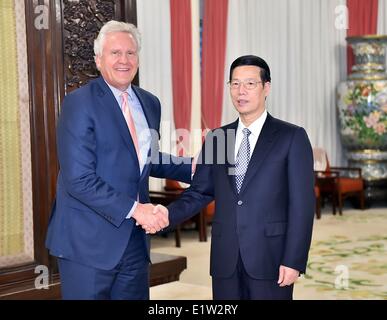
[[99, 176], [270, 221]]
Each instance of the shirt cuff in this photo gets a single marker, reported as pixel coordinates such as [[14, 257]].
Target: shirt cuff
[[193, 167], [132, 210]]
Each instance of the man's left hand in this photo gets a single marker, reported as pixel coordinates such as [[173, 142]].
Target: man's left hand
[[287, 276]]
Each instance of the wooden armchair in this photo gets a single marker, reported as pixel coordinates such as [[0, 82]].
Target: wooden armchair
[[318, 201], [349, 183], [344, 181], [325, 187]]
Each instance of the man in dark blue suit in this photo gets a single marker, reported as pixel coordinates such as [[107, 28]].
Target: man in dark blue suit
[[107, 141], [259, 170]]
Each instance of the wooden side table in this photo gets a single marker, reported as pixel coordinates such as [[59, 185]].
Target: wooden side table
[[164, 268]]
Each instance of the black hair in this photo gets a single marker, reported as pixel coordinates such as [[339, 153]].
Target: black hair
[[251, 60]]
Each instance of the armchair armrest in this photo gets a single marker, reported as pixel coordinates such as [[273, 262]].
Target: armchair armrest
[[349, 170], [325, 179], [326, 174]]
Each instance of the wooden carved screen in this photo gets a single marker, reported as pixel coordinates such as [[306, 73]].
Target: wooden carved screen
[[81, 22], [59, 35]]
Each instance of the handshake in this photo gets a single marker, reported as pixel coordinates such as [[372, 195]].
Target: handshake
[[151, 218]]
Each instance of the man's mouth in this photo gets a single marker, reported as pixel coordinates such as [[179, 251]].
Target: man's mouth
[[242, 102]]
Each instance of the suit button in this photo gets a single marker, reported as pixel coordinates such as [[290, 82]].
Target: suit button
[[240, 202]]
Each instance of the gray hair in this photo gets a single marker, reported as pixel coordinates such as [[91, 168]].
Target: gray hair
[[116, 26]]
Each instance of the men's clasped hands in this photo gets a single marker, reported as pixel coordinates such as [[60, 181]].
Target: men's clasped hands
[[150, 217]]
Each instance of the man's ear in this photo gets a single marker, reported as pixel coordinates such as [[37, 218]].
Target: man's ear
[[267, 89], [97, 60]]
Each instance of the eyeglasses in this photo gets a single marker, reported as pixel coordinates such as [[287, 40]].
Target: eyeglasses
[[248, 84]]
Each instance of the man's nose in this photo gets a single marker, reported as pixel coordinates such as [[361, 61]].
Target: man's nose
[[123, 59], [242, 89]]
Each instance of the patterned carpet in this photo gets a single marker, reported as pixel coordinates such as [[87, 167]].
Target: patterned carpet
[[348, 260], [348, 257]]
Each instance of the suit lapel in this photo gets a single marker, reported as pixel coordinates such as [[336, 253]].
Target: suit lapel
[[108, 100], [146, 108], [262, 148], [230, 153]]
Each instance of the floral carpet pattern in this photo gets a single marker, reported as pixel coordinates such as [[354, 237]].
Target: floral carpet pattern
[[348, 257], [347, 260]]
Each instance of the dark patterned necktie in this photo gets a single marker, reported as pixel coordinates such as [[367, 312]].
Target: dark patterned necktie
[[242, 160]]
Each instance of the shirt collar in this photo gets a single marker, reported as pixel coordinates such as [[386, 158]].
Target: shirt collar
[[117, 92], [256, 126]]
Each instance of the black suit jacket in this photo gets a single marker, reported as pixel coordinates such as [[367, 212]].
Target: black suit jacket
[[270, 221]]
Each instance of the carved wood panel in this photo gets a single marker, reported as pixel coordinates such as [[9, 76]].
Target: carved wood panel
[[82, 21]]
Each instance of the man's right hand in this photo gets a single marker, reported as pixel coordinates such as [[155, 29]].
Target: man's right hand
[[150, 219]]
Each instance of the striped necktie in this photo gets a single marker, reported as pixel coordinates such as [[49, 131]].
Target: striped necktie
[[242, 160], [129, 121]]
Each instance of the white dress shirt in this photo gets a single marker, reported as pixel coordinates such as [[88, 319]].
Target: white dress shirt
[[255, 128], [142, 128]]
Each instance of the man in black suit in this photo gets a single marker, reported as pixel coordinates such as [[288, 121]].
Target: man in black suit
[[259, 170]]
